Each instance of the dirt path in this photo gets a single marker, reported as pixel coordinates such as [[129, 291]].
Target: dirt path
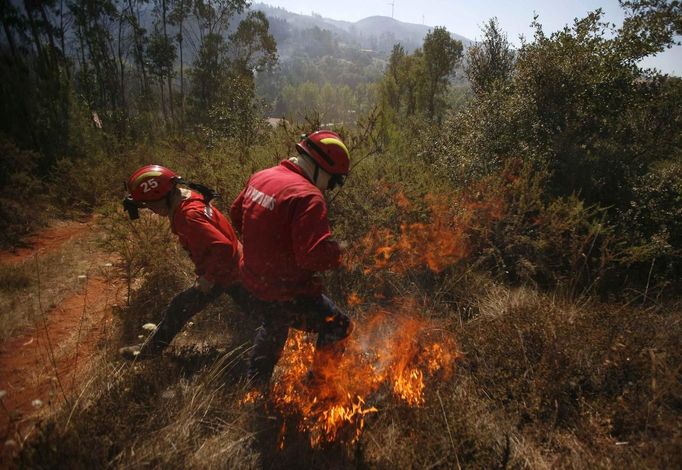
[[48, 240], [45, 367]]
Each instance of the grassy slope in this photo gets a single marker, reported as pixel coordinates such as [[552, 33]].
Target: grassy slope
[[544, 382]]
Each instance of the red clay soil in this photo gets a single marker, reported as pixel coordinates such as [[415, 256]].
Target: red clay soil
[[46, 241], [47, 366]]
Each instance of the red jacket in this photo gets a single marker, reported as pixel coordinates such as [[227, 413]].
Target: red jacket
[[282, 217], [210, 240]]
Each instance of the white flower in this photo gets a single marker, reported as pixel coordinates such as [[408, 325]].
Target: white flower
[[149, 326], [37, 403]]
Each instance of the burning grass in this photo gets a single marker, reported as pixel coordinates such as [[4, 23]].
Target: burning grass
[[388, 356], [436, 245], [545, 382]]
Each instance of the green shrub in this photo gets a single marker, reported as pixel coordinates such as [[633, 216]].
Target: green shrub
[[22, 199], [654, 226], [152, 264]]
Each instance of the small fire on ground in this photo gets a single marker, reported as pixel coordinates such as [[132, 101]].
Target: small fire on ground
[[390, 357], [387, 356]]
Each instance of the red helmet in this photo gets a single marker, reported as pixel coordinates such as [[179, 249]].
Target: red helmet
[[151, 183], [328, 151]]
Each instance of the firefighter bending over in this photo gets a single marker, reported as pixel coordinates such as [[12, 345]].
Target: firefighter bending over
[[203, 231], [282, 216]]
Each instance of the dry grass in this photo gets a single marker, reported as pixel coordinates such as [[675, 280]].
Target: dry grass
[[193, 412], [154, 414], [596, 385], [544, 384]]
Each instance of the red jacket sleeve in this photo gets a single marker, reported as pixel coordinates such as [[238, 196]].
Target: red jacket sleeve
[[311, 236], [211, 251], [236, 213]]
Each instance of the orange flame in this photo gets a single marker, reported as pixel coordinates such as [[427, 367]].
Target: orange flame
[[353, 300], [252, 396], [402, 201], [440, 243], [388, 354]]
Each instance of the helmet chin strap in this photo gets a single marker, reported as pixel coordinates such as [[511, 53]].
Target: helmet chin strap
[[311, 161], [316, 174]]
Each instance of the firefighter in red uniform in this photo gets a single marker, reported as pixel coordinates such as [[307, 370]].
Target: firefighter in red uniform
[[282, 216], [203, 231]]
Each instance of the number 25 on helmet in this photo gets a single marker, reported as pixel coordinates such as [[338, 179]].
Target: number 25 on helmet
[[146, 184]]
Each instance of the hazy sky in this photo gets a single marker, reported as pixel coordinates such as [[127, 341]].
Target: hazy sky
[[467, 17]]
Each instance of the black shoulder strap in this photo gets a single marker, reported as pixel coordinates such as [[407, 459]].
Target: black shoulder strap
[[207, 193]]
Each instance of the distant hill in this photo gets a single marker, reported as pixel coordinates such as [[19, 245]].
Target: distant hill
[[346, 57], [403, 32], [376, 33]]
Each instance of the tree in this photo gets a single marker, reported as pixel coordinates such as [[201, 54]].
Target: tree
[[35, 91], [223, 93], [131, 14], [178, 17], [211, 71], [164, 23], [93, 20], [214, 16], [161, 55], [254, 47], [650, 26], [12, 23], [442, 53], [578, 106], [490, 62], [208, 73], [404, 87], [393, 82]]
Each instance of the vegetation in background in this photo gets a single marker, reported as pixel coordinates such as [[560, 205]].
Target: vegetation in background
[[536, 216], [575, 108], [83, 83], [338, 82]]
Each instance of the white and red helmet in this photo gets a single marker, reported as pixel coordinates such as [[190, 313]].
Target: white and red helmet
[[327, 150], [151, 183]]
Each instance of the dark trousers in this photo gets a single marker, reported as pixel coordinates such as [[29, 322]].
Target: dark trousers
[[313, 314], [183, 307]]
